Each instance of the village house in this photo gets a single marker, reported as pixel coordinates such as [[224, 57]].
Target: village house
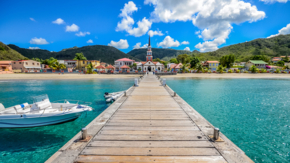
[[257, 63], [82, 64], [26, 65], [123, 61], [213, 65], [68, 63], [5, 67]]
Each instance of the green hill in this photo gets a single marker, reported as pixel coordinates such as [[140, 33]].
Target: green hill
[[106, 54], [6, 53], [271, 47], [164, 54]]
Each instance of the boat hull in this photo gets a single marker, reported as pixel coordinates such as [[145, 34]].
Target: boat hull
[[34, 121]]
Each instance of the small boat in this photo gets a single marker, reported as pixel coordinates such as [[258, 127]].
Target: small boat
[[41, 113], [113, 96], [109, 95]]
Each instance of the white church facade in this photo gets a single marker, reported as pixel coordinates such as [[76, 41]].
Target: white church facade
[[149, 65]]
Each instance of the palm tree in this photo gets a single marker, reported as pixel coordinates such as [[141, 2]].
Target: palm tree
[[253, 69], [80, 56], [90, 68], [57, 66], [220, 69], [199, 67]]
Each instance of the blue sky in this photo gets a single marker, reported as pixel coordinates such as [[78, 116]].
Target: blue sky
[[203, 25]]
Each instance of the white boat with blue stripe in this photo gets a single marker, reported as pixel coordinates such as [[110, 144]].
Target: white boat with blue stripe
[[41, 113]]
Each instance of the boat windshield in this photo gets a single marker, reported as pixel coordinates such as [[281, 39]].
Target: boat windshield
[[39, 98]]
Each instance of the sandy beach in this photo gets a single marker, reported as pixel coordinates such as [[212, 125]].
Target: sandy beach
[[106, 76], [61, 77], [230, 76]]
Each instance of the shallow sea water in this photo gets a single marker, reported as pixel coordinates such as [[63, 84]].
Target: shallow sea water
[[252, 113], [37, 144]]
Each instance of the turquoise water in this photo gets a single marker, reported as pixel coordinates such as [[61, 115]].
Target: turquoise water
[[39, 143], [253, 113]]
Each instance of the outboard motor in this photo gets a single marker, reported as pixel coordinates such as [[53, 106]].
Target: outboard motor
[[106, 93]]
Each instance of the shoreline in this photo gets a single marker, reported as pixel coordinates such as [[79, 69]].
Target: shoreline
[[18, 77]]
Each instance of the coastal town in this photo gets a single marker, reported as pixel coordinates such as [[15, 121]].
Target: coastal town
[[183, 63]]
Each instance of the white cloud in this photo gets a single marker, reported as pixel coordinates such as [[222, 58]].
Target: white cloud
[[168, 42], [33, 48], [197, 32], [138, 46], [122, 44], [152, 33], [32, 19], [185, 42], [210, 45], [90, 41], [127, 21], [213, 17], [273, 1], [187, 49], [58, 21], [38, 41], [72, 28], [283, 31], [83, 34]]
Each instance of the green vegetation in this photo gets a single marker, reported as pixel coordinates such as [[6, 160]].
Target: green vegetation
[[90, 68], [183, 58], [194, 61], [6, 53], [103, 53], [57, 66], [227, 60], [254, 69], [268, 47], [80, 56], [173, 60], [220, 69], [280, 63]]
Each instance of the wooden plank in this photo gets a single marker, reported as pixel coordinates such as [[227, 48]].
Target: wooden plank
[[151, 120], [149, 159], [197, 137], [150, 151], [149, 124], [150, 144], [150, 128], [142, 132]]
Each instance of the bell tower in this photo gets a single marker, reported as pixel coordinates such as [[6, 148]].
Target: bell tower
[[149, 56]]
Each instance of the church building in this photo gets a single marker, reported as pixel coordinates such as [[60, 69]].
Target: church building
[[149, 65]]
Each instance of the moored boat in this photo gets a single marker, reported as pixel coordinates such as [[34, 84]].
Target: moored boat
[[42, 112]]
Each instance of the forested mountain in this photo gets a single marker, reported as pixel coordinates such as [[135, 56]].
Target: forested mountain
[[106, 54], [163, 54], [6, 53], [271, 47]]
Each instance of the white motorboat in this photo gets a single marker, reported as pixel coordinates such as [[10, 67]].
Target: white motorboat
[[109, 95], [42, 112], [114, 96]]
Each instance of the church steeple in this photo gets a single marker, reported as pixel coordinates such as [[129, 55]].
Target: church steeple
[[149, 41], [149, 56]]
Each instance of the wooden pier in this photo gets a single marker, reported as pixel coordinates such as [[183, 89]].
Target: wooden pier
[[149, 124]]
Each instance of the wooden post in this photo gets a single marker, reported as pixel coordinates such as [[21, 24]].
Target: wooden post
[[216, 133], [84, 133]]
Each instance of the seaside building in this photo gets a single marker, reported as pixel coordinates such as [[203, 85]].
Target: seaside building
[[5, 67], [213, 65], [123, 61], [149, 65], [82, 64], [26, 66], [68, 63], [257, 63]]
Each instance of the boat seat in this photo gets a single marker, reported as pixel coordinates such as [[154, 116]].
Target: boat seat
[[43, 104]]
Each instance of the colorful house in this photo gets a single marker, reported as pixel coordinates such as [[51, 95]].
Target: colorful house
[[5, 67], [257, 63], [213, 65], [26, 66], [82, 64]]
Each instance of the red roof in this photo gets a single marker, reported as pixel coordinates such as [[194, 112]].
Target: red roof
[[275, 59], [125, 59], [178, 66], [172, 65], [125, 66], [110, 67], [100, 67], [212, 61]]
